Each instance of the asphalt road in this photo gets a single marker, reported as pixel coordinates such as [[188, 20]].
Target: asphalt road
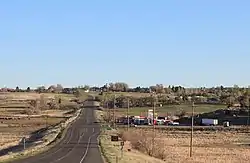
[[79, 144]]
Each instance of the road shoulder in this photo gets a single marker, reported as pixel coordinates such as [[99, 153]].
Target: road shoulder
[[35, 150], [112, 152]]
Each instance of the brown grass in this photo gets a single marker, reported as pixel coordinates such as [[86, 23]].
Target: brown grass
[[145, 143], [18, 104], [8, 139], [131, 94], [11, 131], [26, 126], [112, 151], [173, 146], [208, 146], [29, 103], [167, 110], [22, 96]]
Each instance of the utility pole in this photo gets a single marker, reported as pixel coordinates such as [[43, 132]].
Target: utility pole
[[192, 131], [128, 116], [114, 118], [154, 116], [153, 143], [248, 96], [105, 105], [109, 111], [248, 117], [47, 119], [24, 141]]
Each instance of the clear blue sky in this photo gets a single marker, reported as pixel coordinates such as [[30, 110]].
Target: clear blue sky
[[140, 42]]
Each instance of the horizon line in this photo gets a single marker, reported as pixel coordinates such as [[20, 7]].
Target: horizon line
[[129, 86]]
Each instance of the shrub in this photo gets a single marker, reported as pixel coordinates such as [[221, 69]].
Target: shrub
[[145, 142], [69, 106]]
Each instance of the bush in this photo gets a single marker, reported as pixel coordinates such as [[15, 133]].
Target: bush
[[53, 105], [107, 118], [181, 113], [69, 106], [145, 142]]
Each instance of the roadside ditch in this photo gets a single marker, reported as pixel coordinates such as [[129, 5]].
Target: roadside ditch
[[39, 141]]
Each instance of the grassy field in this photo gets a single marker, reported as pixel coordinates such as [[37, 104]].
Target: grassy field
[[31, 95], [11, 131], [112, 150], [170, 109], [19, 100], [110, 95], [173, 146], [132, 94], [12, 104]]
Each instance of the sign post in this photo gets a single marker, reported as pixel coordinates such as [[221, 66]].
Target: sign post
[[24, 141], [122, 145]]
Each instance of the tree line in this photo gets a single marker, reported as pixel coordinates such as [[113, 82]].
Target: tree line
[[165, 95]]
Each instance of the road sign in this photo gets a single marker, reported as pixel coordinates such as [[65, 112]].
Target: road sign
[[122, 144], [114, 138], [24, 141]]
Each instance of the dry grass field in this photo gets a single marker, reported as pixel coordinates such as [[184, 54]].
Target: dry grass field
[[15, 123], [8, 139], [12, 131], [17, 96], [168, 109], [112, 151], [132, 94], [173, 146]]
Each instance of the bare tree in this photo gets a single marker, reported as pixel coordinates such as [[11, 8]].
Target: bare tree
[[59, 88]]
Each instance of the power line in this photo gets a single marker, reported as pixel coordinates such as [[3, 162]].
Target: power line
[[192, 132], [114, 118], [154, 103], [106, 107], [248, 117], [128, 115], [248, 107]]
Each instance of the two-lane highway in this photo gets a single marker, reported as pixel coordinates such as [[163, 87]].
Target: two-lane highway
[[79, 144]]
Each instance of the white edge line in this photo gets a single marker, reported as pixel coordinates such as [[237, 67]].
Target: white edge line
[[79, 139], [86, 151], [52, 153], [67, 142]]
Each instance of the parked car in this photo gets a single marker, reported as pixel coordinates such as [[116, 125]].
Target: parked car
[[209, 122], [173, 123]]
